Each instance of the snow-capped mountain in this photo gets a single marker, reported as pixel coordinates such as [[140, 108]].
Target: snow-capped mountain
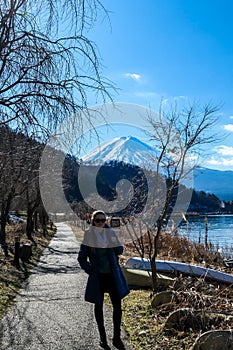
[[131, 150], [126, 149]]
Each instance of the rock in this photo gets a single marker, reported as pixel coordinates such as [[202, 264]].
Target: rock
[[215, 340], [184, 320], [141, 278], [161, 298]]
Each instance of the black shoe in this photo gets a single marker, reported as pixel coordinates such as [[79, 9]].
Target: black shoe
[[118, 343], [104, 346]]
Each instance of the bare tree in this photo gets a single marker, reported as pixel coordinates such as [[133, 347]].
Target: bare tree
[[12, 151], [48, 68], [31, 193], [47, 64], [178, 137]]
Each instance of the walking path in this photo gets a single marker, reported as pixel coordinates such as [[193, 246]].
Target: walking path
[[50, 312]]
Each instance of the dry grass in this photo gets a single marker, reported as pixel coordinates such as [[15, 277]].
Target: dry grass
[[173, 247], [146, 326]]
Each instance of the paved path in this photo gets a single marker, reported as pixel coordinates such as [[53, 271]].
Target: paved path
[[50, 312]]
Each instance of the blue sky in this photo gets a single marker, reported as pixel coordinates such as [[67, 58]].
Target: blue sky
[[177, 50]]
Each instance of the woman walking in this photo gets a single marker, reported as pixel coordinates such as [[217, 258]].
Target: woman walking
[[98, 256]]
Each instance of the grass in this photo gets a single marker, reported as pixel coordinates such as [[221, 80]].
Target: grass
[[171, 246], [146, 326], [11, 276]]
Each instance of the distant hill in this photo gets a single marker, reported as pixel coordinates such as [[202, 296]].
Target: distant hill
[[213, 181]]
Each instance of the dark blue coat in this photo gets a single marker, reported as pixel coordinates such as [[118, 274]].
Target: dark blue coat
[[87, 261]]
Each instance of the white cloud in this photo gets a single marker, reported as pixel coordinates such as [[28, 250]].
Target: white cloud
[[224, 162], [223, 158], [133, 76], [213, 161], [228, 127], [224, 150], [231, 117]]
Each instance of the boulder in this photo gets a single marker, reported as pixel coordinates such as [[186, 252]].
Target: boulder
[[188, 319], [161, 299], [184, 320], [215, 340]]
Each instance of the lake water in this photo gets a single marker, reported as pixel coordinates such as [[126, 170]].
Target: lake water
[[220, 230]]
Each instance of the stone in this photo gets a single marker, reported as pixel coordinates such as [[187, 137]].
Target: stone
[[161, 299], [214, 340], [188, 319], [184, 320]]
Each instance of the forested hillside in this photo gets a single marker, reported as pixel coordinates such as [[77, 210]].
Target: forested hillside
[[110, 173]]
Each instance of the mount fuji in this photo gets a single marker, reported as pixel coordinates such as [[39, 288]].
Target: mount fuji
[[131, 150], [127, 149]]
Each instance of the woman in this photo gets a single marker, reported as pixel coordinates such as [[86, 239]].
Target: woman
[[98, 256]]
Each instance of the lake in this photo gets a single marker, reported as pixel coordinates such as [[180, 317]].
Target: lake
[[220, 230]]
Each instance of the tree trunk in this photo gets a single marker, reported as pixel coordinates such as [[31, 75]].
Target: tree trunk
[[3, 231], [43, 220], [153, 265], [30, 225], [35, 217]]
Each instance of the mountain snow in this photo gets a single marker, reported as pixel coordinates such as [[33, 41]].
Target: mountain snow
[[127, 149]]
